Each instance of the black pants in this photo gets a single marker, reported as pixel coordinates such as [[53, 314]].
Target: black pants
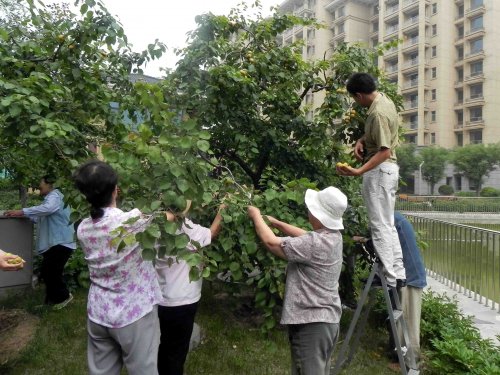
[[176, 326], [54, 260]]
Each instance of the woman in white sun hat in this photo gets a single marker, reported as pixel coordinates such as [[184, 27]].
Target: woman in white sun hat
[[311, 307]]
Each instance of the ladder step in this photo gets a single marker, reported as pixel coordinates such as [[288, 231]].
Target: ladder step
[[397, 314], [413, 372]]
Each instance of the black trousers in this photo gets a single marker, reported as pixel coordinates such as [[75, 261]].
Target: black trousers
[[176, 326], [54, 260]]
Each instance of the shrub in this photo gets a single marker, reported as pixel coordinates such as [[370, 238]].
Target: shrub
[[445, 190], [490, 192], [451, 342], [465, 194]]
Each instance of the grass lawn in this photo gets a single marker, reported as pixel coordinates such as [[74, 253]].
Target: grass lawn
[[232, 343]]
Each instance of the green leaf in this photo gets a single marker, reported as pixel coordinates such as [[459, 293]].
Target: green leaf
[[182, 185], [171, 227], [181, 241], [148, 254], [121, 246], [153, 231], [234, 266], [206, 272], [155, 205], [203, 145]]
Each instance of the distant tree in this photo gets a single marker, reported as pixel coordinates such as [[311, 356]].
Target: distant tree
[[476, 161], [408, 161], [434, 159]]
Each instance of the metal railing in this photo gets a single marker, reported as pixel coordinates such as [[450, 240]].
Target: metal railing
[[450, 204], [463, 257]]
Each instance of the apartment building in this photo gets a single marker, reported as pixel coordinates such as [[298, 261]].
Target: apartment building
[[446, 64]]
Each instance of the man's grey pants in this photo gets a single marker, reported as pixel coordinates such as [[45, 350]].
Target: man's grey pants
[[135, 345], [312, 346], [379, 194]]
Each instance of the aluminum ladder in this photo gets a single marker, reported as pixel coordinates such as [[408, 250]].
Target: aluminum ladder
[[395, 316]]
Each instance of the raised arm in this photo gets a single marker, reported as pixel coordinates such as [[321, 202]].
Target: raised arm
[[288, 229], [270, 240], [217, 223]]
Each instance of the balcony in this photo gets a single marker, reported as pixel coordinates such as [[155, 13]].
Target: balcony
[[475, 99], [459, 38], [413, 63], [474, 33], [411, 104], [479, 76], [411, 43], [413, 125], [410, 23], [409, 5], [474, 55], [390, 52], [459, 83], [391, 12], [392, 69], [475, 11], [476, 122], [459, 103], [390, 30], [303, 10], [411, 85]]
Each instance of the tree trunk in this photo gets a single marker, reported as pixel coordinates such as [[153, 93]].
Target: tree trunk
[[23, 195]]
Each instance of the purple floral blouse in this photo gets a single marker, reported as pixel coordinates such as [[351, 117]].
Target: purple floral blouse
[[124, 287]]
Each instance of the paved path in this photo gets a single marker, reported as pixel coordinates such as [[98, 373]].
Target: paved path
[[485, 319]]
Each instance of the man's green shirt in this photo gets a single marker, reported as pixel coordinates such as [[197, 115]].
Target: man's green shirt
[[381, 127]]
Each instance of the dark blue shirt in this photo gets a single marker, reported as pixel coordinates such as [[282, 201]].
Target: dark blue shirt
[[414, 265]]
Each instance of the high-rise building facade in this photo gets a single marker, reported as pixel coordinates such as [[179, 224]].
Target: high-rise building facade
[[446, 64]]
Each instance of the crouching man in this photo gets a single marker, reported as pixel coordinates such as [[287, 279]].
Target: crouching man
[[311, 307]]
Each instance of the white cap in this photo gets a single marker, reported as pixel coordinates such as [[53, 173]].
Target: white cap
[[327, 205]]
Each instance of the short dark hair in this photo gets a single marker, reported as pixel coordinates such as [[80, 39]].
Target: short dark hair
[[97, 181], [362, 83], [49, 179]]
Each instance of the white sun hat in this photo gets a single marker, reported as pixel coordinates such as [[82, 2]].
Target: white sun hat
[[327, 205]]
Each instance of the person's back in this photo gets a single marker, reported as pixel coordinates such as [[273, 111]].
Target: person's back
[[314, 265], [123, 286]]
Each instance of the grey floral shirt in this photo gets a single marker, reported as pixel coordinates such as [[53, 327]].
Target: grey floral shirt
[[312, 281]]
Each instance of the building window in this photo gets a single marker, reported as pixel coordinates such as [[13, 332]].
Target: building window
[[433, 116], [413, 122], [434, 51], [434, 30], [460, 75], [460, 118], [476, 23], [434, 72], [460, 32], [476, 136], [433, 94], [434, 8], [475, 3], [476, 68], [476, 91], [411, 138], [476, 114], [433, 138], [340, 29], [476, 46], [458, 181], [460, 139], [460, 97]]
